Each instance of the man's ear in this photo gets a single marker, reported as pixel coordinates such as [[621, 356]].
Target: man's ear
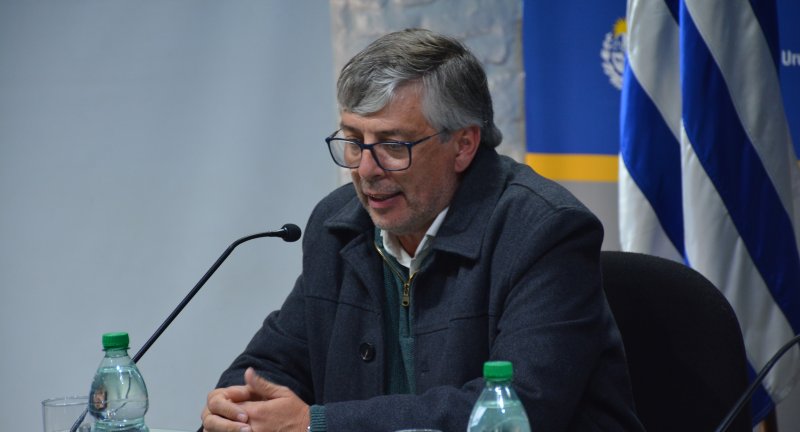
[[467, 141]]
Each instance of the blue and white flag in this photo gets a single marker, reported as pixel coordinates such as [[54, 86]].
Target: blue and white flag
[[707, 172]]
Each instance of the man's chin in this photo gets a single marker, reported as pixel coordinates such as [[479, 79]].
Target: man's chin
[[386, 224]]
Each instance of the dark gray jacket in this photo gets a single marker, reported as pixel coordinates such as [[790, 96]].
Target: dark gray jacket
[[514, 276]]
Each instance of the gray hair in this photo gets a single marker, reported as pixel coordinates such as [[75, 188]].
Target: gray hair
[[455, 93]]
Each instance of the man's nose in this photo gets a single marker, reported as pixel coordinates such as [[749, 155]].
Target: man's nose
[[368, 167]]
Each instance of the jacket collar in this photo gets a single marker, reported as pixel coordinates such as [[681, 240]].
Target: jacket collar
[[463, 229]]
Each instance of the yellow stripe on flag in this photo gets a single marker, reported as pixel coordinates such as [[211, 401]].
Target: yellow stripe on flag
[[575, 167]]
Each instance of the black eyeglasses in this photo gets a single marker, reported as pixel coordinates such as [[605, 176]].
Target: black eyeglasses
[[390, 155]]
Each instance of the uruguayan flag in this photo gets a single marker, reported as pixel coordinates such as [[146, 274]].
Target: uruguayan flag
[[708, 174]]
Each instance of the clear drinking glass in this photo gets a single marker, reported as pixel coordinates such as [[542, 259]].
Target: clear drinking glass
[[59, 414]]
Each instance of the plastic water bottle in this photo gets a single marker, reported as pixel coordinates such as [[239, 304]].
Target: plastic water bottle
[[118, 397], [498, 408]]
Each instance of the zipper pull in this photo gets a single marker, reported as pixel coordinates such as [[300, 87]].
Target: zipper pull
[[406, 293], [407, 290]]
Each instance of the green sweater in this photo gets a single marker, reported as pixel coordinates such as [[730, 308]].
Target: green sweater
[[397, 325]]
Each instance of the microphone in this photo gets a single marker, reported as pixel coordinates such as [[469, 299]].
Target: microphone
[[745, 398], [289, 233]]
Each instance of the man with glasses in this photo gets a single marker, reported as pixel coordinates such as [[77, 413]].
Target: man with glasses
[[439, 256]]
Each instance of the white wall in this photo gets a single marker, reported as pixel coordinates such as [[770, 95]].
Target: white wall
[[138, 139]]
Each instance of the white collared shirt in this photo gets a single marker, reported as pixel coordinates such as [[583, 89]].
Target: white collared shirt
[[393, 247]]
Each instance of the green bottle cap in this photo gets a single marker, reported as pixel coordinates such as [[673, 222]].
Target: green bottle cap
[[500, 370], [118, 340]]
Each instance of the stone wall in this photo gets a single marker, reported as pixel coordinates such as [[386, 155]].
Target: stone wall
[[492, 29]]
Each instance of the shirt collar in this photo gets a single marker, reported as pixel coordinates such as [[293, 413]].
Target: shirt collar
[[393, 247]]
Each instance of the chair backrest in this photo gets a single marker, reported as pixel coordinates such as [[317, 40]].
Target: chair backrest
[[682, 340]]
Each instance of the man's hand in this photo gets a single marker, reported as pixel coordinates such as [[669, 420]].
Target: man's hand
[[223, 412], [257, 406]]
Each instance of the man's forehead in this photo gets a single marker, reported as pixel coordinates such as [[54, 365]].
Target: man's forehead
[[373, 128], [381, 125]]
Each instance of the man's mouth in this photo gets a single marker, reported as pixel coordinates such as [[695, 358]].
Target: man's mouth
[[382, 197], [383, 201]]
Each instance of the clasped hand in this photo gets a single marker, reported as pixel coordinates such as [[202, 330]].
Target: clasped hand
[[256, 406]]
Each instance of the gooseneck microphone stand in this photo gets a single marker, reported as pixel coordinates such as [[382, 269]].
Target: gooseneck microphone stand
[[289, 233]]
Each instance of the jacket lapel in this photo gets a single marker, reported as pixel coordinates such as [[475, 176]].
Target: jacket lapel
[[354, 225]]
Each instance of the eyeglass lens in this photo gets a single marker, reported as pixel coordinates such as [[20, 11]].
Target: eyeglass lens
[[390, 156]]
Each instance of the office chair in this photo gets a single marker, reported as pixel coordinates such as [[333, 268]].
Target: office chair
[[683, 343]]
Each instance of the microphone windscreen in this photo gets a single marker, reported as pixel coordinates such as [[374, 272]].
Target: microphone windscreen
[[291, 232]]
